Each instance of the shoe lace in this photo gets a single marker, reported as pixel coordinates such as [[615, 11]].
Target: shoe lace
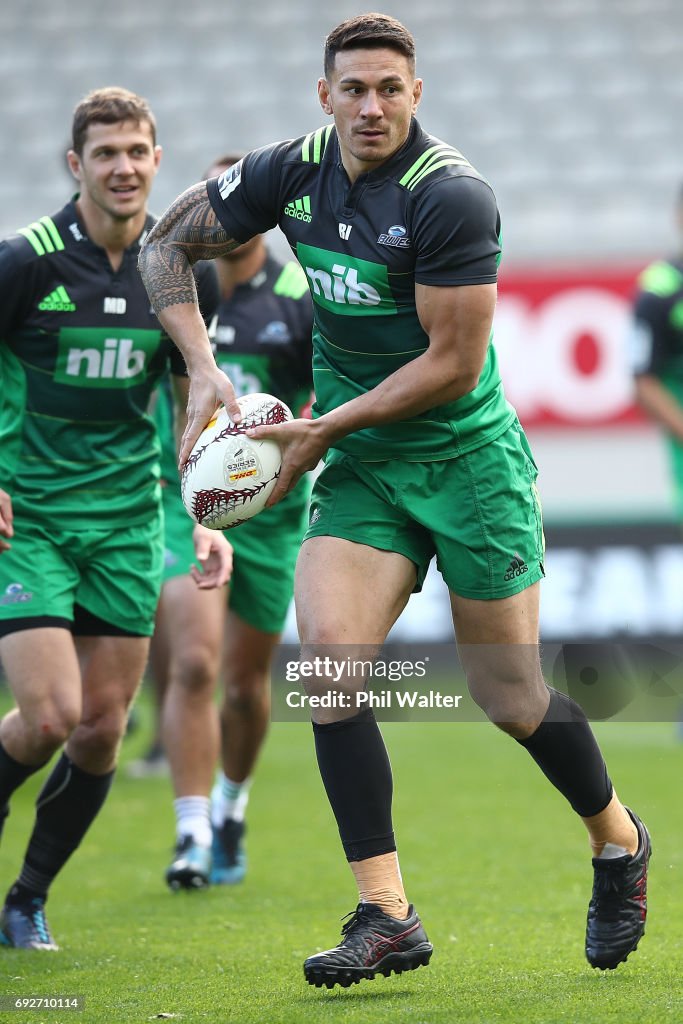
[[39, 920], [610, 889], [354, 919]]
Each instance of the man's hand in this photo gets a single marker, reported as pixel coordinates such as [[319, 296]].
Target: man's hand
[[214, 554], [6, 520], [209, 388], [302, 442]]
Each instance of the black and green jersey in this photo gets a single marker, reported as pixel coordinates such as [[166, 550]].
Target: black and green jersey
[[425, 216], [261, 335], [657, 338], [80, 353], [261, 338]]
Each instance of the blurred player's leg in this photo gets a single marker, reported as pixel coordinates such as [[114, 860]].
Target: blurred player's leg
[[192, 630], [111, 667], [245, 713]]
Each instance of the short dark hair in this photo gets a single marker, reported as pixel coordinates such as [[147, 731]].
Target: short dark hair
[[111, 105], [226, 160], [369, 32]]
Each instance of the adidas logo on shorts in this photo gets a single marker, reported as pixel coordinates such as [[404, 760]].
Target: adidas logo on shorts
[[516, 568]]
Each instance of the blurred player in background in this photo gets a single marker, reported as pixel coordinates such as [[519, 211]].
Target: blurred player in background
[[261, 338], [656, 353], [400, 239], [80, 569]]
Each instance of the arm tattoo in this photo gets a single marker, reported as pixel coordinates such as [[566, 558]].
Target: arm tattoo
[[187, 232]]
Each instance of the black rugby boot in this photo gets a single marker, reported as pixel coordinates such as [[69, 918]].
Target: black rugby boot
[[373, 943], [618, 907]]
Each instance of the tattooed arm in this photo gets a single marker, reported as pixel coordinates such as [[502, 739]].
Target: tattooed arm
[[187, 232]]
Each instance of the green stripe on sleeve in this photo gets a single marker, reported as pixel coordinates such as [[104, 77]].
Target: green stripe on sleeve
[[43, 235], [305, 148], [429, 162], [448, 161], [33, 239], [54, 234], [317, 145]]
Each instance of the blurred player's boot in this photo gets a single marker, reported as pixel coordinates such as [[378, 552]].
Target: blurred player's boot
[[153, 764], [229, 860], [190, 867], [373, 943], [618, 907], [24, 926]]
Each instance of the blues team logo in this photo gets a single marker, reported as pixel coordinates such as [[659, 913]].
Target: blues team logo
[[15, 594], [396, 235]]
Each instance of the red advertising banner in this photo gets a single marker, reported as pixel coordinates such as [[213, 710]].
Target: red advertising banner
[[562, 338]]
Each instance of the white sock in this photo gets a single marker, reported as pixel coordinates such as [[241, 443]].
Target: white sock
[[193, 818], [228, 799]]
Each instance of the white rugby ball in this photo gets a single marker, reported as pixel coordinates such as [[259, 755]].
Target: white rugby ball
[[229, 477]]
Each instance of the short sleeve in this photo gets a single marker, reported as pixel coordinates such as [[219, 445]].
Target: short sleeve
[[245, 196], [13, 287], [456, 231]]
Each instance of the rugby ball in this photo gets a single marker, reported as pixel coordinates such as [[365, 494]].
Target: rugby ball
[[229, 477]]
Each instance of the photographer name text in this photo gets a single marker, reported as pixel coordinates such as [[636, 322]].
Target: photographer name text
[[373, 699]]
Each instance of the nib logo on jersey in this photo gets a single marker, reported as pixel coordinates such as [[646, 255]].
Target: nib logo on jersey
[[104, 357], [344, 285]]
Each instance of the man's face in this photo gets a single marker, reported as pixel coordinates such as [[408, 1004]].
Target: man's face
[[117, 167], [372, 95]]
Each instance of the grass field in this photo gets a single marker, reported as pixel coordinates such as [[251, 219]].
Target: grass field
[[494, 860]]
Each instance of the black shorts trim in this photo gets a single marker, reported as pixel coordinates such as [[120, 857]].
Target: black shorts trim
[[84, 624], [8, 626]]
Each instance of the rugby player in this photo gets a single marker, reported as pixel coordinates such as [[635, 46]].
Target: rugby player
[[80, 354], [400, 239]]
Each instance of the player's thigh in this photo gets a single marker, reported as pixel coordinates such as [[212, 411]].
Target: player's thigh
[[362, 554], [43, 674], [498, 640], [247, 655], [499, 652], [121, 571], [189, 624], [265, 551], [349, 594], [112, 668]]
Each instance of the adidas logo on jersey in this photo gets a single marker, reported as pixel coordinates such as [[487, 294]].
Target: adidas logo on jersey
[[57, 301], [299, 209]]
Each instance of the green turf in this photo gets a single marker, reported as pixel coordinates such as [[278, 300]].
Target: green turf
[[493, 858]]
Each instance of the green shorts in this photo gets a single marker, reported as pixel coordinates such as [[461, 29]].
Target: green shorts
[[113, 574], [265, 553], [478, 513]]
